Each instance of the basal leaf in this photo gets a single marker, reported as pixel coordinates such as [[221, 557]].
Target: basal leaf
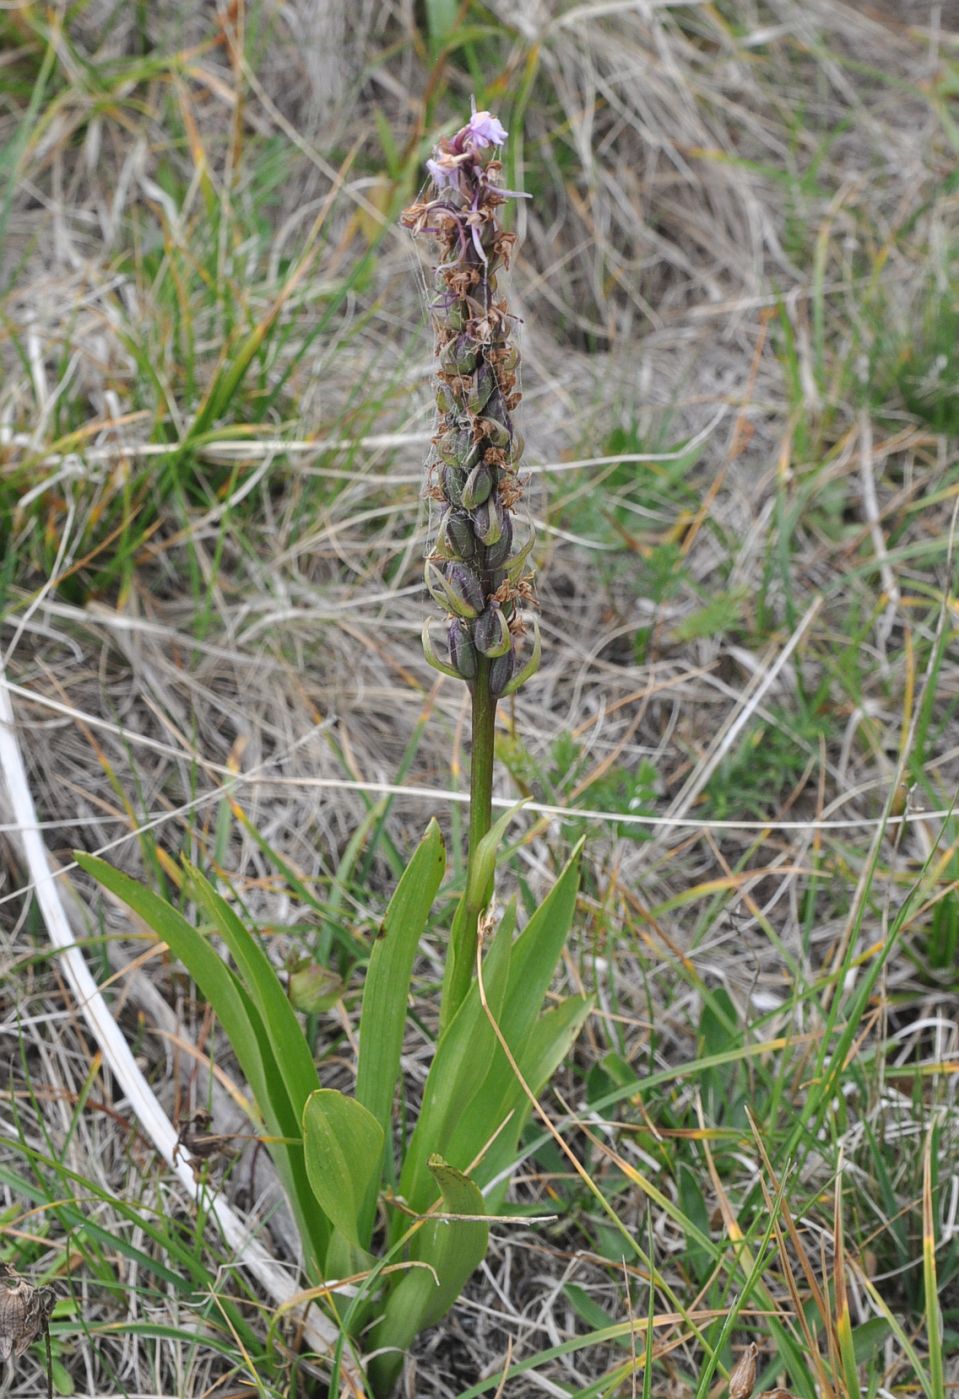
[[343, 1144]]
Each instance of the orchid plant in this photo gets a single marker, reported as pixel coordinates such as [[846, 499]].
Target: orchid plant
[[404, 1216]]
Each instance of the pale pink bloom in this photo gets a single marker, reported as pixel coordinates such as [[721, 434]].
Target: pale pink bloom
[[485, 130], [443, 172]]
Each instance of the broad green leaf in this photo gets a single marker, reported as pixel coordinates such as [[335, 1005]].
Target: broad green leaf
[[502, 1094], [243, 1026], [459, 1067], [452, 1249], [536, 953], [290, 1052], [385, 994], [217, 983], [343, 1144]]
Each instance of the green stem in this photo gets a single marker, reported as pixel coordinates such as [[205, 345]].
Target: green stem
[[481, 760], [459, 967]]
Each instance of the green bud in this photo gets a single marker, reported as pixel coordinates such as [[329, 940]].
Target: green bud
[[312, 988], [445, 402]]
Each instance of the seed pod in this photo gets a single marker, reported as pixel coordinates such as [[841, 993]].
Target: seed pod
[[465, 590], [462, 649], [500, 673], [509, 360], [478, 486], [445, 402], [490, 632], [453, 483], [484, 382], [459, 356], [489, 519], [498, 553], [448, 312], [455, 537], [456, 589], [514, 450], [457, 448]]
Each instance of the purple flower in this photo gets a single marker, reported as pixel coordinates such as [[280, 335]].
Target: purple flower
[[485, 130], [442, 173]]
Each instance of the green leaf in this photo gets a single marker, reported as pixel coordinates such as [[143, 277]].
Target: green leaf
[[537, 951], [383, 1017], [216, 981], [244, 1027], [502, 1093], [290, 1053], [452, 1249], [458, 1071], [343, 1144], [441, 17]]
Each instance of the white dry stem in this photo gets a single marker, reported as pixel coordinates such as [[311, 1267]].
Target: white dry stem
[[321, 1335], [870, 505]]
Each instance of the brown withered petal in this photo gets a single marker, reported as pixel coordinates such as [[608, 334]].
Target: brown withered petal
[[743, 1375], [776, 1394], [494, 431]]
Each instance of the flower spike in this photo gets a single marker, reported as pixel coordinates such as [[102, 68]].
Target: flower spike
[[476, 574]]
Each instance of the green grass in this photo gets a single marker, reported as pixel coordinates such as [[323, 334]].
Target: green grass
[[739, 281]]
